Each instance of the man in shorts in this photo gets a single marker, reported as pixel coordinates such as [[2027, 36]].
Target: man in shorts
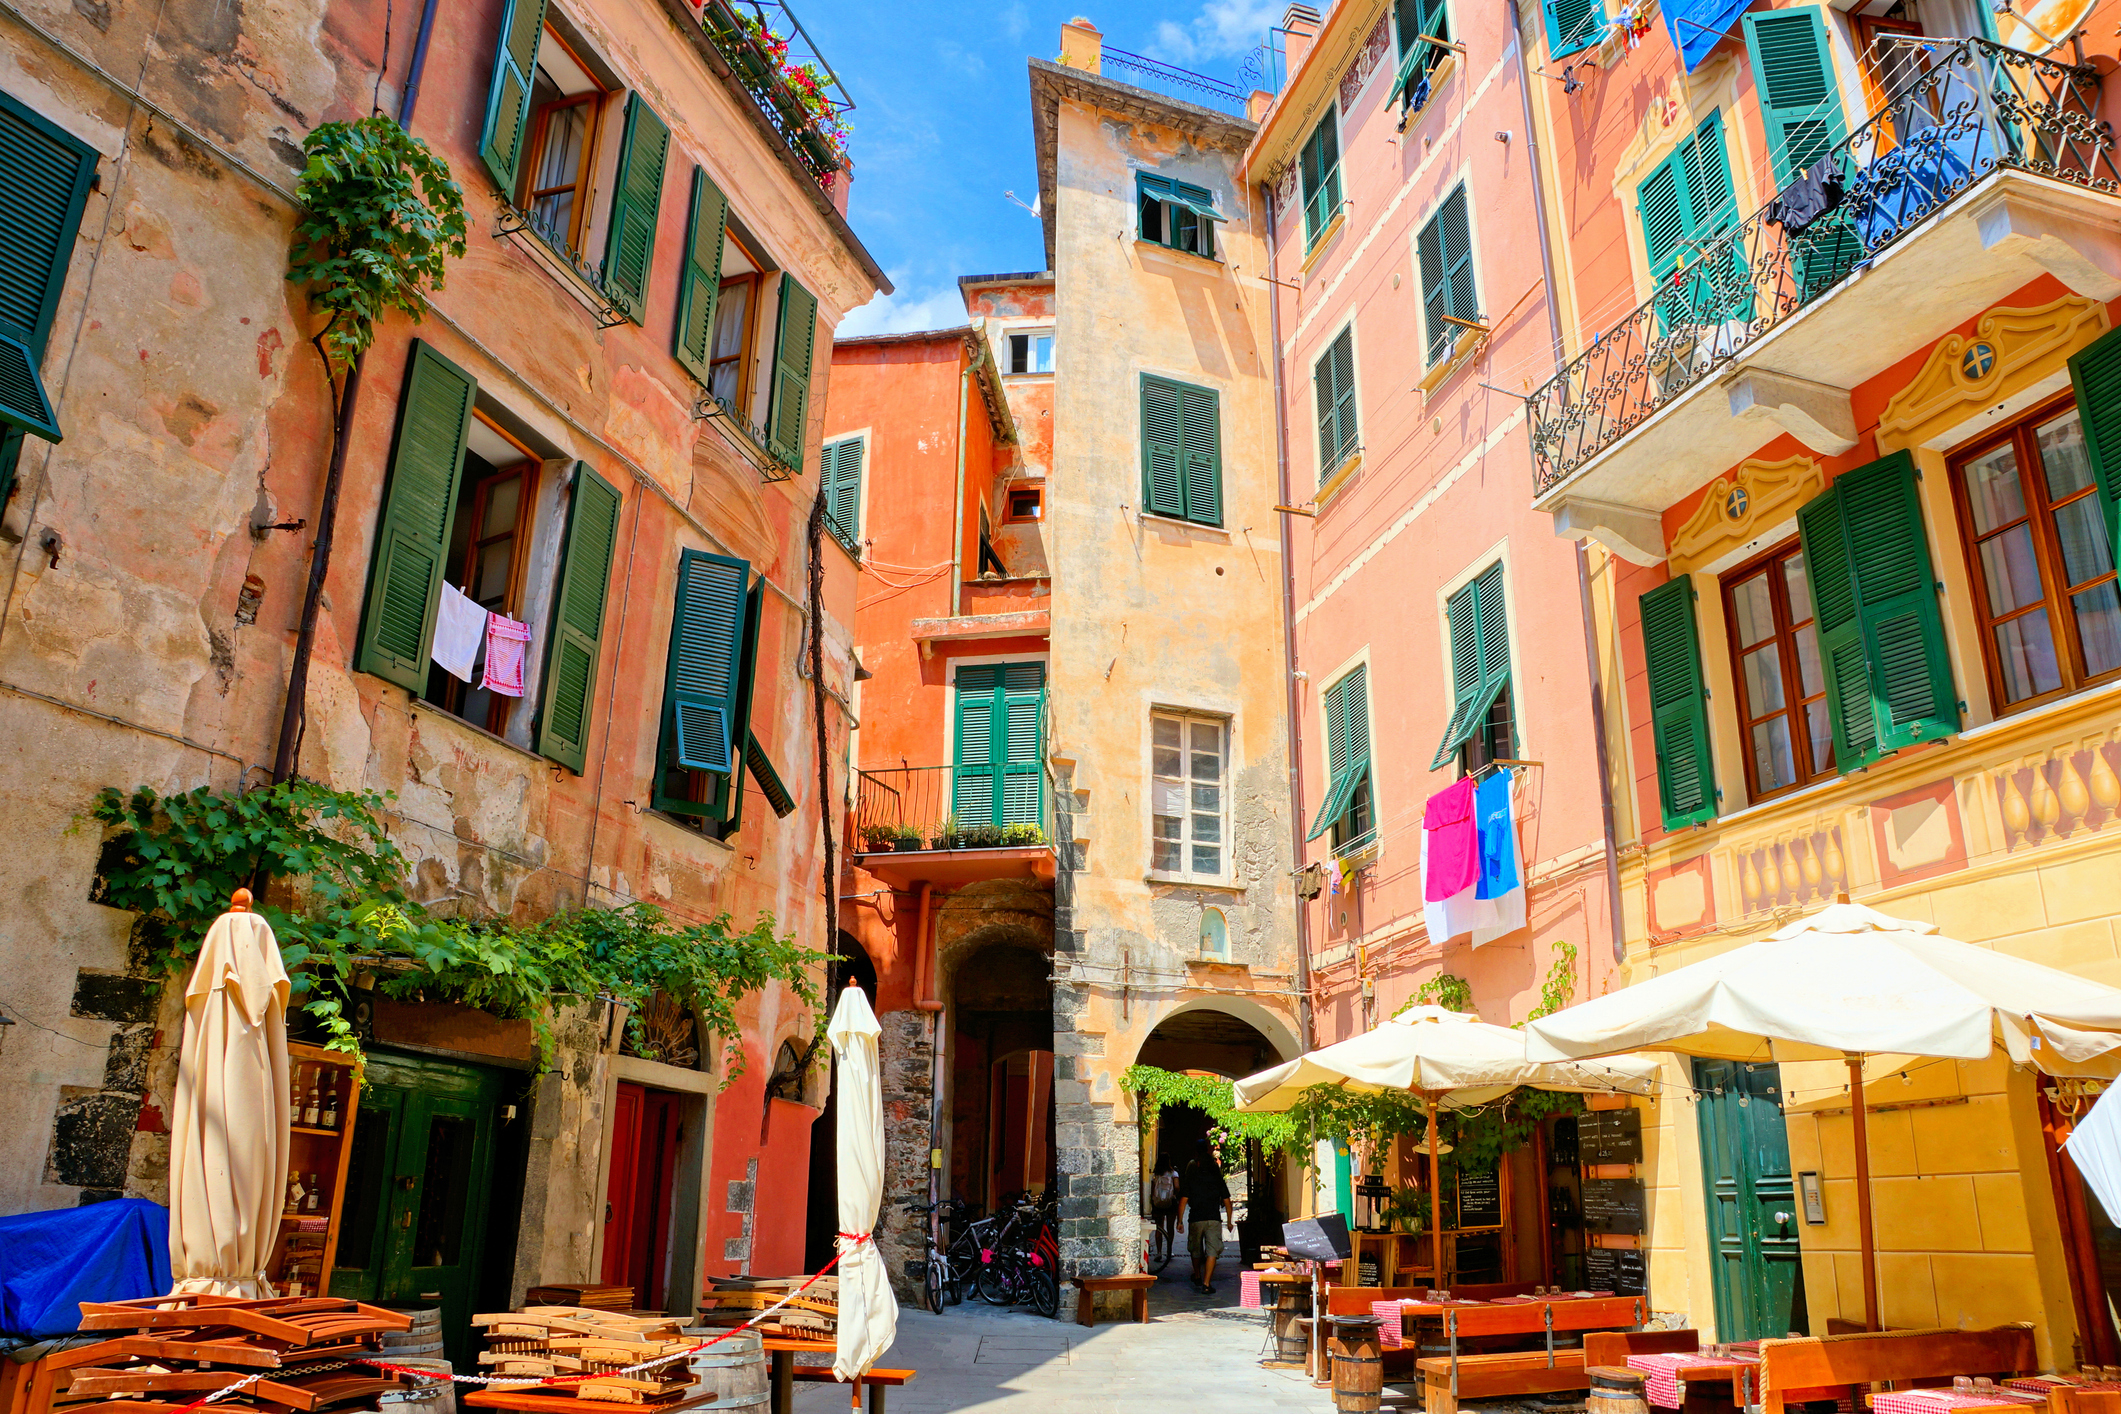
[[1201, 1188]]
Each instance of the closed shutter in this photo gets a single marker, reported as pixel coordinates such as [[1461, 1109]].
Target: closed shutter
[[1023, 713], [1679, 715], [1347, 714], [1664, 223], [974, 800], [1201, 457], [637, 197], [1163, 486], [2095, 373], [45, 172], [1794, 78], [1333, 382], [793, 344], [515, 67], [1320, 169], [1573, 25], [700, 690], [840, 467], [571, 648], [1445, 251], [1881, 633], [1000, 776], [700, 282], [1685, 204], [412, 534], [1480, 658]]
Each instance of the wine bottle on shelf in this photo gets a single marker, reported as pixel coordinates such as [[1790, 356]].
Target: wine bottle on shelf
[[309, 1109], [309, 1203], [331, 1099], [294, 1192], [294, 1098]]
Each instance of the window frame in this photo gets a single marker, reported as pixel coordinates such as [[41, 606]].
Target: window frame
[[1030, 334], [1411, 67], [1187, 718], [747, 341], [1318, 219], [1169, 204], [1795, 702], [2022, 433], [584, 184], [528, 467], [1038, 505], [1349, 446]]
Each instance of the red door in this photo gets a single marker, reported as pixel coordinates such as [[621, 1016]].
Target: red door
[[645, 1129], [619, 1195]]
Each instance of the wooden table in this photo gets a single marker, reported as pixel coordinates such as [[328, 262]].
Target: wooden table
[[531, 1402], [782, 1350]]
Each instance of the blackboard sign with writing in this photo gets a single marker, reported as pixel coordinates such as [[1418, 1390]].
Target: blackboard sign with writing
[[1620, 1272], [1609, 1137], [1479, 1198], [1613, 1205]]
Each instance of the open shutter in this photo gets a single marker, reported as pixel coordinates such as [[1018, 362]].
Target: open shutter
[[727, 804], [569, 679], [840, 467], [706, 657], [412, 534], [1679, 713], [1912, 695], [1163, 484], [1712, 202], [2095, 373], [1794, 79], [1840, 629], [1344, 388], [1663, 217], [974, 798], [45, 172], [24, 405], [1328, 413], [1480, 658], [1343, 702], [700, 282], [1456, 225], [1201, 433], [761, 767], [1023, 706], [637, 197], [1573, 25], [515, 67], [1435, 294], [793, 344]]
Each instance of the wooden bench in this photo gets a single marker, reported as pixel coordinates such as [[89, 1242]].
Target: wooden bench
[[1827, 1367], [1448, 1379], [1086, 1289], [1614, 1347], [875, 1381]]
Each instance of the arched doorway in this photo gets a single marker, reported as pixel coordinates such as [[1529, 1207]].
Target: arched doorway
[[1000, 1091], [821, 1215]]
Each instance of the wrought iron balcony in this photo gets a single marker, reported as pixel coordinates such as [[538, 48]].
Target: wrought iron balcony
[[1955, 113], [912, 809], [776, 60], [1173, 82]]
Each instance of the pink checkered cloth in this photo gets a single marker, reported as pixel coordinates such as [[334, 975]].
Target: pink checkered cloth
[[1936, 1401], [2041, 1384], [1662, 1386], [1391, 1323], [1248, 1289]]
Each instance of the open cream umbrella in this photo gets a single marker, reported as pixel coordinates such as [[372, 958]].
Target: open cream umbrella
[[868, 1315], [228, 1135], [1842, 984], [1449, 1059]]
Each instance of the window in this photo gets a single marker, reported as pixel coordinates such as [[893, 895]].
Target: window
[[1026, 503], [1347, 809], [2037, 547], [735, 327], [1031, 351], [795, 339], [1573, 25], [1319, 165], [1188, 761], [489, 535], [1686, 203], [1793, 76], [1214, 936], [840, 465], [1480, 728], [705, 745], [1176, 214], [1333, 388], [999, 777], [566, 105], [1679, 713], [1782, 716], [1182, 454], [46, 173], [1444, 251], [1424, 28]]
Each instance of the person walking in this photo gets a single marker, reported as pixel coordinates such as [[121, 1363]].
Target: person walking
[[1163, 1207], [1201, 1188]]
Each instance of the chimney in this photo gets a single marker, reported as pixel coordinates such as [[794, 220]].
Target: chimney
[[1082, 47], [1300, 28]]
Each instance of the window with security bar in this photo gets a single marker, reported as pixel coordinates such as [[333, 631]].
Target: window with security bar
[[1188, 764], [1482, 727]]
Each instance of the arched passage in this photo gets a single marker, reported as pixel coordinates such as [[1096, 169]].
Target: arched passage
[[1000, 1067]]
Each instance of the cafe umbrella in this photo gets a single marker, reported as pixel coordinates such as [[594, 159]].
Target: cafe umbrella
[[868, 1315], [1447, 1057], [1846, 983]]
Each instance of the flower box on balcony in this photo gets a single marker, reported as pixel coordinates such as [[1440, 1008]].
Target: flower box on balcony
[[818, 150]]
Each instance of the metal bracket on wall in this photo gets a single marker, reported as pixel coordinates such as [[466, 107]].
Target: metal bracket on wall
[[576, 275]]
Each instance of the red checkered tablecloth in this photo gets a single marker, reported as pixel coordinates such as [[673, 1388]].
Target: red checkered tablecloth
[[1391, 1327], [1938, 1401], [1662, 1386], [2041, 1384], [1248, 1289]]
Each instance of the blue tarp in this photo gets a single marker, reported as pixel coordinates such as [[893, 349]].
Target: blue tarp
[[51, 1262], [1697, 26]]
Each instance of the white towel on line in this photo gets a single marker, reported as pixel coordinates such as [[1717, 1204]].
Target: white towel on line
[[460, 628]]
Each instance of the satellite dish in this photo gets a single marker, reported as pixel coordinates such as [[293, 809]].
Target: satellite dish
[[2038, 26]]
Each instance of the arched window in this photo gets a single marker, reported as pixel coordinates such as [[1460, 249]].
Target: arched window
[[1214, 936]]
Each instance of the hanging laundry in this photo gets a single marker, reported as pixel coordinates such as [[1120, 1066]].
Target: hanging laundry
[[460, 627], [1452, 862], [1500, 895], [1805, 200], [1451, 917], [506, 644]]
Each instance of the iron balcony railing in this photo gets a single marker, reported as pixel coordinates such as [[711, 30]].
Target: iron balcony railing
[[778, 63], [1173, 82], [1953, 113], [904, 808]]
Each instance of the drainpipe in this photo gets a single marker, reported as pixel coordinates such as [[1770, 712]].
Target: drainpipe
[[957, 531], [924, 959], [411, 95], [294, 711], [1583, 572]]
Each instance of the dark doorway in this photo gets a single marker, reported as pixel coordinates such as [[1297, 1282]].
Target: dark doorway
[[1001, 1074], [821, 1214]]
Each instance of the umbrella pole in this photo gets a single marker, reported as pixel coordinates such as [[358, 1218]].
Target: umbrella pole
[[1863, 1194], [1435, 1204]]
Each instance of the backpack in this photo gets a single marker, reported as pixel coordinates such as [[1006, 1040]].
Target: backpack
[[1163, 1193]]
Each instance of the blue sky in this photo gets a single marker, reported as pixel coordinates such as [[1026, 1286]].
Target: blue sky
[[942, 125]]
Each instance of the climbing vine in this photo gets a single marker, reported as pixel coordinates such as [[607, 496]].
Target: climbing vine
[[336, 900], [1559, 987], [1212, 1096], [1447, 990]]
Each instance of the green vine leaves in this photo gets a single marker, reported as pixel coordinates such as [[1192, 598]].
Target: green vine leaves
[[381, 218]]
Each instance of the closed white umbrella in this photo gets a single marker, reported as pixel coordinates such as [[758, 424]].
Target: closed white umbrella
[[1844, 983], [229, 1131], [868, 1315], [2094, 1146]]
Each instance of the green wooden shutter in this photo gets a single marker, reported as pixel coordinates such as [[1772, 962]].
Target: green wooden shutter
[[1200, 430], [637, 197], [1480, 658], [1000, 774], [1347, 715], [700, 282], [1333, 383], [1839, 625], [24, 405], [571, 646], [840, 469], [1435, 292], [1328, 411], [761, 767], [1573, 25], [412, 533], [1163, 484], [727, 804], [1445, 252], [1679, 711], [1319, 166], [45, 172], [973, 796], [1023, 709], [1793, 76], [793, 345], [700, 690], [1664, 223], [2095, 373], [515, 67]]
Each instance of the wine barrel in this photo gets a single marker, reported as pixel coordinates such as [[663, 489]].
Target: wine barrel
[[734, 1370], [1615, 1389], [1292, 1340], [1358, 1364], [435, 1395]]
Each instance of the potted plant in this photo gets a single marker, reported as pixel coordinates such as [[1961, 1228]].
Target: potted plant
[[1022, 835], [980, 837], [906, 839], [878, 837], [943, 834]]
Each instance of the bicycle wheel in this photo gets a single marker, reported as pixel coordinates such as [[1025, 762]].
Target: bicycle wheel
[[1040, 1290], [934, 1286], [995, 1286]]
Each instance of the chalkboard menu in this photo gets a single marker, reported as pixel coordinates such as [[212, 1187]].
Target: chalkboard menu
[[1609, 1137], [1613, 1205], [1479, 1198], [1623, 1273]]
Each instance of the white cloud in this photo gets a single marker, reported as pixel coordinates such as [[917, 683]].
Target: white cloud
[[1223, 29], [908, 310], [1015, 21]]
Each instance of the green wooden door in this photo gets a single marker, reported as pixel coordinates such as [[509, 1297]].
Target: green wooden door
[[414, 1222], [1752, 1202]]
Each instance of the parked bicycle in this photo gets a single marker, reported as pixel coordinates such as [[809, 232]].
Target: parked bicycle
[[948, 1268], [1022, 1266]]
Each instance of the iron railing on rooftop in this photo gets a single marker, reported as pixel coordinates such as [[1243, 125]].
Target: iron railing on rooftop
[[905, 808], [794, 86], [1952, 114], [1174, 82]]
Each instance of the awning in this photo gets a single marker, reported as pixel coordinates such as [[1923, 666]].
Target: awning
[[23, 402], [1697, 26]]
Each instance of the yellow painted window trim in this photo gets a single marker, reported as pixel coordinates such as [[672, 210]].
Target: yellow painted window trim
[[1342, 475], [1325, 237], [1464, 345]]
